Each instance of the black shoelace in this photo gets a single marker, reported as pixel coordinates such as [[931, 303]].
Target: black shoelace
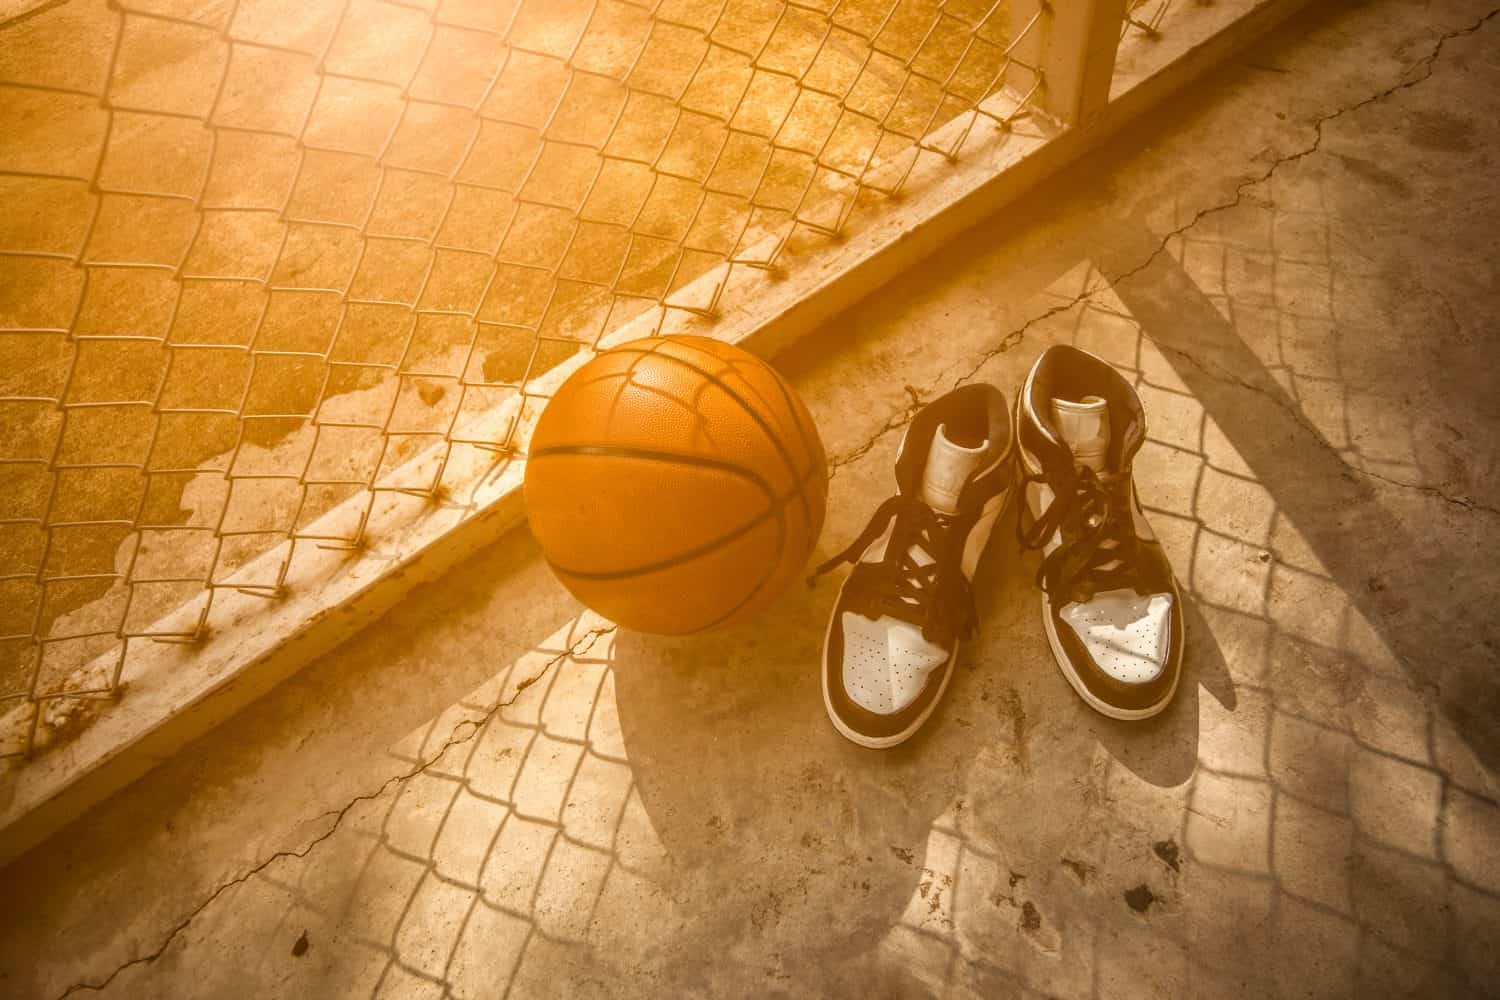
[[1097, 551], [936, 596]]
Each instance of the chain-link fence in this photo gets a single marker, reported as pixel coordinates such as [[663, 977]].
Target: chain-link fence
[[1145, 16], [259, 255]]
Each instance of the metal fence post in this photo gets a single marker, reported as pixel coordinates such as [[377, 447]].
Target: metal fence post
[[1072, 45]]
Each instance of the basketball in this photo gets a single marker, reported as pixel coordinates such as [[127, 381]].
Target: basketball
[[676, 484]]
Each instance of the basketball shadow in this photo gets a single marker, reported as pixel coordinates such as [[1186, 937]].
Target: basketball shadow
[[783, 836]]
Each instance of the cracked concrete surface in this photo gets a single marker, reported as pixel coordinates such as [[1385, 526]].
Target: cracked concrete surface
[[1417, 74], [462, 732], [493, 792]]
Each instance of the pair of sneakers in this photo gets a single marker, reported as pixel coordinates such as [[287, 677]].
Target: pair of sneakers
[[1110, 605]]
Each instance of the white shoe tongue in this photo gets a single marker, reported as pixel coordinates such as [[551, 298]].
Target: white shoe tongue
[[949, 467], [1084, 427]]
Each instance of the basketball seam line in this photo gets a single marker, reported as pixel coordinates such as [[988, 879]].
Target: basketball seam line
[[791, 412], [807, 446], [779, 508], [791, 406], [760, 422], [651, 455], [776, 506], [701, 549], [781, 385], [780, 552]]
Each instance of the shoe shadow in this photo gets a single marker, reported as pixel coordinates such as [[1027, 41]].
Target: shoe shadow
[[809, 852], [1164, 750], [783, 837]]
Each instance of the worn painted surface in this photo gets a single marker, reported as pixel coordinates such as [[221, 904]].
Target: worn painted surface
[[491, 790]]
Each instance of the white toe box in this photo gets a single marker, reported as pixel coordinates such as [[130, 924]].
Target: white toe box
[[886, 662], [1127, 635]]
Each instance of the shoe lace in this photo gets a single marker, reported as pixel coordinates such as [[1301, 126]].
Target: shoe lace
[[935, 596], [1098, 543]]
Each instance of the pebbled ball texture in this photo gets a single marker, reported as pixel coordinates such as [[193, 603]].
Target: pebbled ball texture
[[676, 484]]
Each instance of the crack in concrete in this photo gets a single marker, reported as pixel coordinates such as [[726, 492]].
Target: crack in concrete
[[919, 398], [1294, 411], [1426, 65], [1424, 69], [473, 724], [1467, 503], [896, 421]]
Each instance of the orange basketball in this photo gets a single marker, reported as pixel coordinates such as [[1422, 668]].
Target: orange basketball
[[676, 484]]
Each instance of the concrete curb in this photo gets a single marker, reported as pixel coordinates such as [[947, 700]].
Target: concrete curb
[[179, 692]]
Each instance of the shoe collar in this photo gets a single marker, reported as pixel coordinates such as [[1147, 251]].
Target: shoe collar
[[1066, 371], [959, 410]]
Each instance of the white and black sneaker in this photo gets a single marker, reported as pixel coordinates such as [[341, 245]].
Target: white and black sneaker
[[894, 633], [1109, 601]]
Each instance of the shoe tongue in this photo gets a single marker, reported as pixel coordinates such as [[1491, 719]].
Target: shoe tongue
[[1084, 427], [949, 467]]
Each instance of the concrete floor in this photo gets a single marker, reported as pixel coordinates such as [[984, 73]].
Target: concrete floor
[[494, 791], [336, 231]]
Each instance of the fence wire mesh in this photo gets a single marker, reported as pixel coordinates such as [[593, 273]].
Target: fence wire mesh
[[1145, 17], [258, 255]]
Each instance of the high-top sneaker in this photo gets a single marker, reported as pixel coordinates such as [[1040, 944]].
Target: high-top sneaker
[[895, 629], [1109, 601]]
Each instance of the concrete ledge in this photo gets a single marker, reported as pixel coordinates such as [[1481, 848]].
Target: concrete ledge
[[15, 10], [175, 693]]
